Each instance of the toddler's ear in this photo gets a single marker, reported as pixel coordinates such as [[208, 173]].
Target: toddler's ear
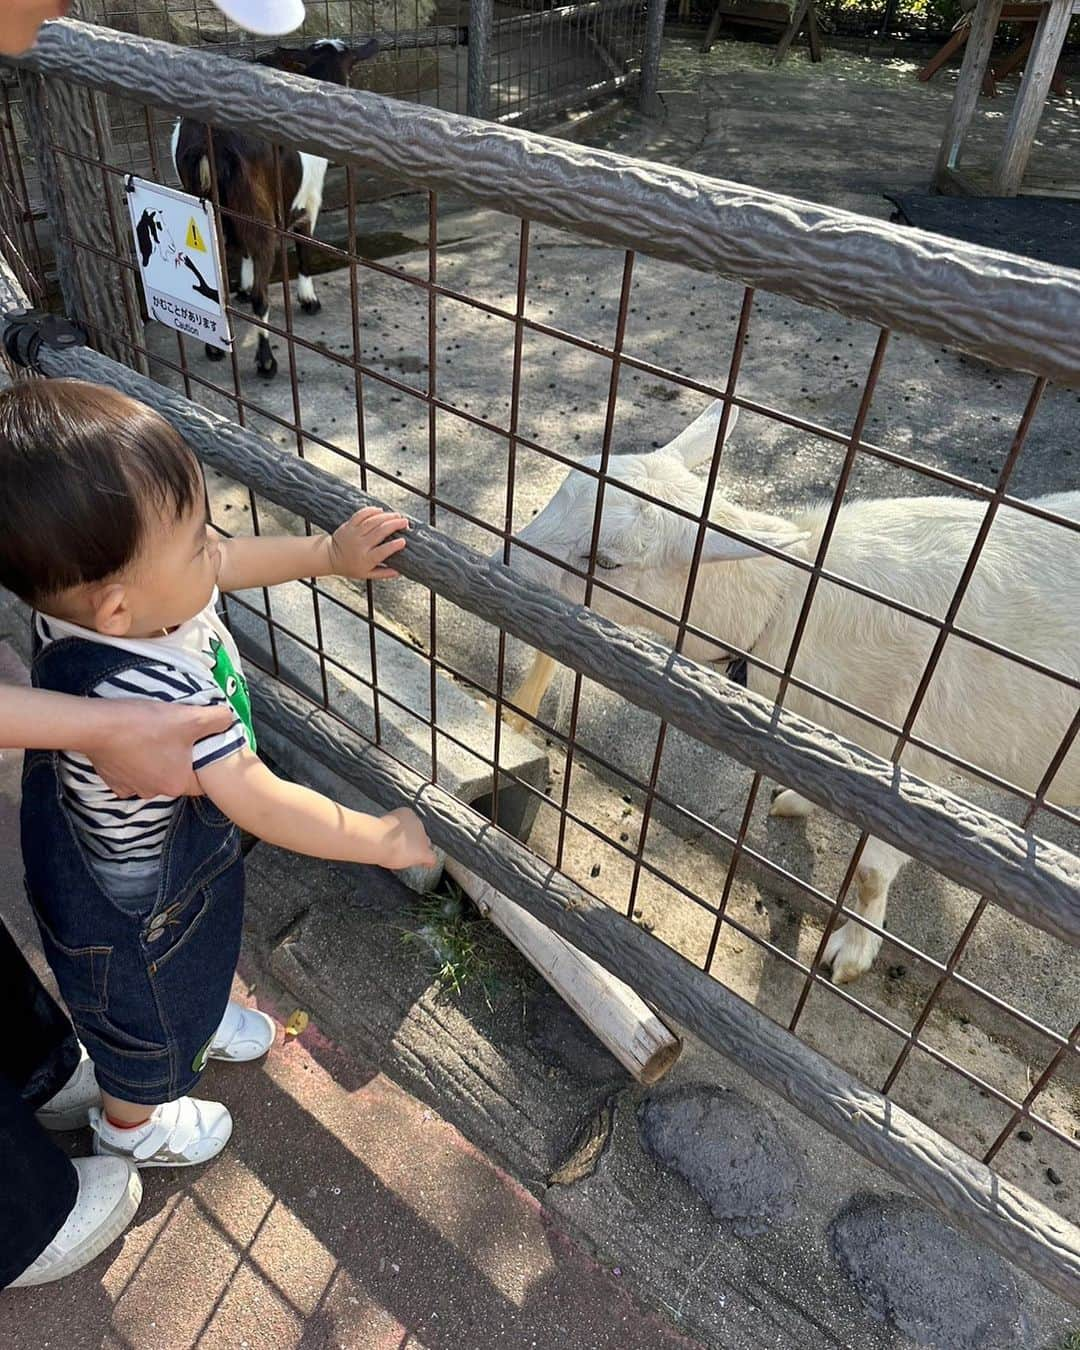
[[112, 611]]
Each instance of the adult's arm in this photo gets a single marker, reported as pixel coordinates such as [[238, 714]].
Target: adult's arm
[[140, 748]]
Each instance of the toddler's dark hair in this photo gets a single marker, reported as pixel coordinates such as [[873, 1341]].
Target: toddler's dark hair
[[82, 471]]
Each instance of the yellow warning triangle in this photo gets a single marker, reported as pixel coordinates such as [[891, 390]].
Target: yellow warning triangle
[[194, 238]]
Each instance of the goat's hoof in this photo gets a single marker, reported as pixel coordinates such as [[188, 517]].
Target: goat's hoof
[[790, 805], [214, 354], [850, 952], [243, 297], [311, 306], [266, 370]]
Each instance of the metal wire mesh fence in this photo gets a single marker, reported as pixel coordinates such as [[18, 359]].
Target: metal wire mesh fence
[[538, 60], [463, 364], [547, 60]]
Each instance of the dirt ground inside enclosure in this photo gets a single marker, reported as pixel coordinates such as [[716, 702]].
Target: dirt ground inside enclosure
[[844, 133]]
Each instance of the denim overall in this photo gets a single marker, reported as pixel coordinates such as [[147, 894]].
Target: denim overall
[[146, 982]]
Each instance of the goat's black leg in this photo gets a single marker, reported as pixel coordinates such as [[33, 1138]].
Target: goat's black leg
[[265, 363]]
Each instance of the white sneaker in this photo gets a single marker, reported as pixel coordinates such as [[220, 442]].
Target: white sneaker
[[109, 1193], [244, 1034], [69, 1109], [178, 1134]]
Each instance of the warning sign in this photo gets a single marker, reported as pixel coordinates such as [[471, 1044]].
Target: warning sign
[[194, 238], [182, 280]]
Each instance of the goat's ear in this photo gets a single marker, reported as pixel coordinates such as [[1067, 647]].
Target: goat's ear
[[695, 444], [776, 534]]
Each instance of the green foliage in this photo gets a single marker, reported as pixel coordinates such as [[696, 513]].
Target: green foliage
[[934, 16], [925, 16], [464, 951]]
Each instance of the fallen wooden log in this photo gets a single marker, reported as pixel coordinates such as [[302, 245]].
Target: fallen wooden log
[[622, 1021]]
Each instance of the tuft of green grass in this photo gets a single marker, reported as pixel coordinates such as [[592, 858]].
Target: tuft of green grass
[[1071, 1341], [463, 950]]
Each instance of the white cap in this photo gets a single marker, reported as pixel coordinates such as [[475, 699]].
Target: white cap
[[267, 18]]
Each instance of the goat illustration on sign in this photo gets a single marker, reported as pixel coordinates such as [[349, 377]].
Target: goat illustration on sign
[[182, 290]]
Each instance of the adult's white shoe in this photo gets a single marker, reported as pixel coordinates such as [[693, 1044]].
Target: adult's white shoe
[[109, 1193], [182, 1133], [244, 1034], [70, 1108]]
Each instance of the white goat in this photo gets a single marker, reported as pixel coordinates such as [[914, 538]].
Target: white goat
[[981, 707]]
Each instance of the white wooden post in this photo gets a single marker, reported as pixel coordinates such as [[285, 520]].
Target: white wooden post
[[984, 23]]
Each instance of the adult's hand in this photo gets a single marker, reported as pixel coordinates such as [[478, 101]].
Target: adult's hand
[[143, 749], [21, 19]]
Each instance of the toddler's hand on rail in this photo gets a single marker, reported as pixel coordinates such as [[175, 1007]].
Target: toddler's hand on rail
[[406, 843], [361, 546]]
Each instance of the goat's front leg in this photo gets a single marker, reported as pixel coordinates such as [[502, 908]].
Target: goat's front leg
[[852, 948], [530, 692], [265, 363], [305, 287], [247, 279]]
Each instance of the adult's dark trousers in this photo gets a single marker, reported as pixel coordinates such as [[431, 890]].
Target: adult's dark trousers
[[38, 1054]]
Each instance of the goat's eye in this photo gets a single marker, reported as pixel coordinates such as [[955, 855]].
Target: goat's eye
[[602, 561]]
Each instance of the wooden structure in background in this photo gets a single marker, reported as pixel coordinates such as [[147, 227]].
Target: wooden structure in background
[[1022, 13], [1007, 175], [769, 14]]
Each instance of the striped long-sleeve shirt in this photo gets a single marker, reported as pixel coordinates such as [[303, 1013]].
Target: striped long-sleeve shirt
[[197, 664]]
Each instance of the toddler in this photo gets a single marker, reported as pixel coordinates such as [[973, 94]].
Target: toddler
[[103, 531]]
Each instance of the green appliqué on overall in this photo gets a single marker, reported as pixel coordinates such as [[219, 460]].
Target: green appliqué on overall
[[199, 1062], [233, 686]]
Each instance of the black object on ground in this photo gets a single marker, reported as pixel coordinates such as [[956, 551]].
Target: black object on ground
[[1044, 228]]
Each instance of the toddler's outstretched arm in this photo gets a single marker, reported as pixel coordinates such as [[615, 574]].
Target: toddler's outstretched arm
[[359, 549], [297, 818]]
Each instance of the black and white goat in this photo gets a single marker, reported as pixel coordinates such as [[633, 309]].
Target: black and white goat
[[253, 206]]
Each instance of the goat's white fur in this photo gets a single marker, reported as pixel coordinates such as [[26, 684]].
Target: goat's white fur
[[1024, 594]]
